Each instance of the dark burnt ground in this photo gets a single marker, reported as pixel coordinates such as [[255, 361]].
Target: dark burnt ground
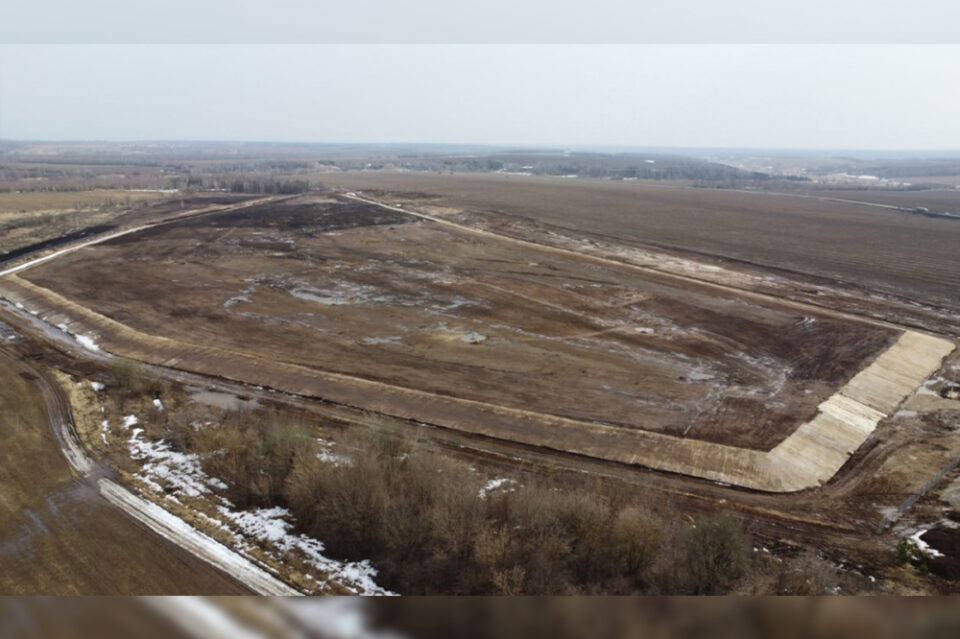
[[818, 348], [305, 218], [799, 355], [945, 540], [55, 242], [152, 211], [298, 218]]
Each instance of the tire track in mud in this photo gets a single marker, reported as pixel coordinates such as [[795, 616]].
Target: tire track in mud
[[78, 542]]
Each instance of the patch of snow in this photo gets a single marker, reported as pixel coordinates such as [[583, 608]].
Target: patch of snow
[[700, 375], [84, 340], [924, 389], [455, 304], [236, 300], [181, 473], [271, 526], [924, 546], [96, 386], [130, 420], [176, 474], [473, 338], [104, 429], [157, 403], [186, 536], [327, 456], [18, 305], [87, 342], [343, 293], [501, 484]]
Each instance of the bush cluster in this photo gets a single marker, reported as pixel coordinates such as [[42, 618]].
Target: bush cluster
[[424, 522]]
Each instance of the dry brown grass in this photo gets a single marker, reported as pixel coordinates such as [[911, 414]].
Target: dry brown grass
[[16, 204], [27, 218]]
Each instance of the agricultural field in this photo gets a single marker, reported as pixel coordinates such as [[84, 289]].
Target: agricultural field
[[883, 250], [936, 199]]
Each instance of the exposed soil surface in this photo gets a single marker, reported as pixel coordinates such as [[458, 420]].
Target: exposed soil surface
[[57, 535], [882, 249], [353, 288], [945, 540]]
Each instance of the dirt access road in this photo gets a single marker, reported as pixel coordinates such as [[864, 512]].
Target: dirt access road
[[61, 534], [58, 536]]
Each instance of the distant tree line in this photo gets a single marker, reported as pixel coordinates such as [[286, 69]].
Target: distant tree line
[[269, 187]]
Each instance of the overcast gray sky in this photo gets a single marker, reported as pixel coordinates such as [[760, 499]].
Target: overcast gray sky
[[796, 96], [489, 21]]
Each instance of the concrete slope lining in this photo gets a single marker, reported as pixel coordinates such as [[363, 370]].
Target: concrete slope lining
[[817, 449]]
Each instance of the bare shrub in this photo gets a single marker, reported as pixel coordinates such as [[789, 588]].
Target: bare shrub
[[807, 574], [133, 382], [252, 453], [636, 540], [706, 558], [418, 517]]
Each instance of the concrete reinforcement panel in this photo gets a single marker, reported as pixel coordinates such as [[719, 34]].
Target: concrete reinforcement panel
[[818, 448]]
